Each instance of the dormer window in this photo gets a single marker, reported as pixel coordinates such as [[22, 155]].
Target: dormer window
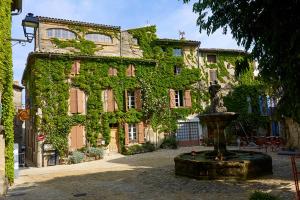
[[60, 33], [97, 37]]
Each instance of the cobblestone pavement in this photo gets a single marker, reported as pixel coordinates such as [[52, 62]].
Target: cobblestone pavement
[[143, 176]]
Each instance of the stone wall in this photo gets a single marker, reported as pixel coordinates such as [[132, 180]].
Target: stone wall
[[3, 185], [124, 47]]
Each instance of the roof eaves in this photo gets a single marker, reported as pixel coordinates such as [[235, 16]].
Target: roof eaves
[[73, 22]]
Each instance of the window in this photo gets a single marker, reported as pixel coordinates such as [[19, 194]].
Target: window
[[110, 104], [112, 71], [132, 132], [211, 58], [130, 71], [75, 67], [177, 70], [179, 98], [133, 99], [77, 101], [212, 75], [96, 37], [177, 52], [135, 41], [60, 33], [130, 99]]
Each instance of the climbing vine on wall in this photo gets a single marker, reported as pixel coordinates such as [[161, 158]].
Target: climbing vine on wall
[[6, 86]]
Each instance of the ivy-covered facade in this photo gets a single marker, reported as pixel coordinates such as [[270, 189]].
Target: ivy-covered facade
[[91, 84], [6, 94]]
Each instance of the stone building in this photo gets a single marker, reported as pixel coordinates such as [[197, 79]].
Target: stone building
[[18, 124], [94, 84]]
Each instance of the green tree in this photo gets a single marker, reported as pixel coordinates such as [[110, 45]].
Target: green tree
[[271, 31]]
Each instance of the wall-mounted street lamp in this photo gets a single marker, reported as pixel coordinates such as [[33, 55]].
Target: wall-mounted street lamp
[[30, 24]]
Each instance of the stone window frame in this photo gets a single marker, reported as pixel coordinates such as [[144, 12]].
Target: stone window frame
[[99, 38], [60, 33], [211, 58]]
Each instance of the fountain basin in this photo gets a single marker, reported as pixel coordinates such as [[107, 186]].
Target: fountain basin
[[245, 165]]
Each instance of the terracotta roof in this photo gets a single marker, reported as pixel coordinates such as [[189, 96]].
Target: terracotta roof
[[176, 41], [72, 22], [212, 50]]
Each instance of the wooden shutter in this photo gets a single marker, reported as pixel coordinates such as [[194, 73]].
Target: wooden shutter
[[132, 70], [128, 71], [112, 71], [172, 98], [80, 140], [138, 99], [126, 100], [72, 136], [77, 137], [75, 67], [81, 101], [141, 133], [115, 72], [187, 98], [73, 100], [110, 100], [126, 134]]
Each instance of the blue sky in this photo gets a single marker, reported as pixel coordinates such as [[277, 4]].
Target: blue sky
[[169, 16]]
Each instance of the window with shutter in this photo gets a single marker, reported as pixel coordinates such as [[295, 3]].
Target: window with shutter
[[132, 133], [172, 98], [130, 99], [141, 133], [75, 67], [130, 71], [187, 99], [112, 71], [179, 98], [73, 101], [81, 101], [138, 99], [126, 134], [77, 101]]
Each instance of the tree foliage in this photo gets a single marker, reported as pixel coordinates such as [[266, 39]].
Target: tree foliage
[[271, 30]]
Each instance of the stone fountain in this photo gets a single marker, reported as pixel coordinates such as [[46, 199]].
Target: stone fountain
[[221, 163]]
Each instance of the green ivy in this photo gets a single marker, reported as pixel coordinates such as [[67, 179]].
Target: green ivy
[[82, 46], [6, 86], [47, 76]]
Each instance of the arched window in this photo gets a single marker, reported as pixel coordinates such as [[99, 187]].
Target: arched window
[[96, 37], [60, 33]]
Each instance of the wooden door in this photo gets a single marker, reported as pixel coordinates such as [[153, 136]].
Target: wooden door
[[113, 145]]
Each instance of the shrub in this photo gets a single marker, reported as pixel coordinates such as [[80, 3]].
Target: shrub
[[76, 157], [169, 142], [257, 195], [138, 148], [96, 152]]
